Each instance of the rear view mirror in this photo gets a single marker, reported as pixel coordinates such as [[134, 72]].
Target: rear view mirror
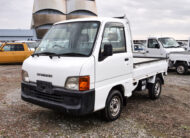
[[157, 46], [108, 50]]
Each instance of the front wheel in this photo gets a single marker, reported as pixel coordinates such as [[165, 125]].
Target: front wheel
[[155, 89], [181, 69], [114, 106]]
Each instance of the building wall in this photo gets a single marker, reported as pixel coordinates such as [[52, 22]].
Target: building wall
[[48, 12], [17, 35]]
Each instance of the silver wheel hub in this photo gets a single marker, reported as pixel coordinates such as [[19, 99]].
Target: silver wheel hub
[[180, 69], [115, 106], [157, 89]]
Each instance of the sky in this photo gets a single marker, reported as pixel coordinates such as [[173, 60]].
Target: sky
[[147, 17]]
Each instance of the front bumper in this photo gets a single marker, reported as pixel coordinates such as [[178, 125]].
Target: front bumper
[[71, 102]]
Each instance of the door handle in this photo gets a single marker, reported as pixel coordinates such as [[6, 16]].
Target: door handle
[[126, 59], [147, 51]]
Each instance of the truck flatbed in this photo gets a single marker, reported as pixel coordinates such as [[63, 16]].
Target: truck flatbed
[[147, 67]]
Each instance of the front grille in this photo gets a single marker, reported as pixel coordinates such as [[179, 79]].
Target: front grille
[[57, 97], [46, 96]]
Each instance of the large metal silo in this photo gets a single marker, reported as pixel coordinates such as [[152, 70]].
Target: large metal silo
[[81, 8], [47, 12]]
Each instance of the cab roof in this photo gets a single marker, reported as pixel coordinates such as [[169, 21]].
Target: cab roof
[[100, 19]]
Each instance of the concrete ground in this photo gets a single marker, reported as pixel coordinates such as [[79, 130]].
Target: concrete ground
[[168, 116]]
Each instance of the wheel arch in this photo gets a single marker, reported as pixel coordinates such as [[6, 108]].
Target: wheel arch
[[161, 76], [180, 62], [121, 89]]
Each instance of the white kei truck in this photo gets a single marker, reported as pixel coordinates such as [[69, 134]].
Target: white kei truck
[[86, 65], [179, 58], [188, 45]]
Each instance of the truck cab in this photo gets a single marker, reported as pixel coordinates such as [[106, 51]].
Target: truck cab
[[160, 47], [86, 65], [14, 52]]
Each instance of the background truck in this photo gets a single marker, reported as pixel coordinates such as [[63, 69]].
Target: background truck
[[188, 45], [14, 52], [86, 65], [179, 59]]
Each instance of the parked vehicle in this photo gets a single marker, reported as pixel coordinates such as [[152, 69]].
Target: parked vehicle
[[138, 47], [14, 52], [184, 45], [93, 69], [188, 45], [179, 59], [33, 45]]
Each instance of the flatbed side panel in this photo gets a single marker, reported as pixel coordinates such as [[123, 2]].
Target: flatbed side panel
[[143, 60], [148, 69], [179, 57]]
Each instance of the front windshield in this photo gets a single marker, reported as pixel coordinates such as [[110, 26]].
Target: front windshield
[[72, 39], [169, 42]]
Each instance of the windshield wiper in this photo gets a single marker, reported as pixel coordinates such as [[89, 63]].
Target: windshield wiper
[[50, 54], [171, 47], [72, 54]]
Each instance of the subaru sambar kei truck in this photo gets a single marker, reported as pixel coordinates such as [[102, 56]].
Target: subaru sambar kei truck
[[85, 65], [179, 59]]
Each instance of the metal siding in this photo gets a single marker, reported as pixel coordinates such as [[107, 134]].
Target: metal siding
[[48, 12], [59, 5]]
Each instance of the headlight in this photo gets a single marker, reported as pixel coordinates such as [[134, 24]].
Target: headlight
[[25, 76], [78, 83]]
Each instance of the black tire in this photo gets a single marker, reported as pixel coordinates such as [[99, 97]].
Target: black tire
[[108, 113], [181, 69], [155, 89]]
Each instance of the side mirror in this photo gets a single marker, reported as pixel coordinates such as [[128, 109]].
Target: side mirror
[[1, 50], [108, 50], [157, 46]]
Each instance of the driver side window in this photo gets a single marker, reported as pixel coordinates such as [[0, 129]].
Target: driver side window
[[153, 43], [7, 48], [114, 35]]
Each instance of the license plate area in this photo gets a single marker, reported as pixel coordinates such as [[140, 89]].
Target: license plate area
[[45, 87]]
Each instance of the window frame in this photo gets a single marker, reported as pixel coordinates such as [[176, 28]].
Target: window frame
[[118, 25], [96, 37], [5, 46], [155, 40], [14, 45]]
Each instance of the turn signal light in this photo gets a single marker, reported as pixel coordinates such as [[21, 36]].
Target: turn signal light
[[84, 83]]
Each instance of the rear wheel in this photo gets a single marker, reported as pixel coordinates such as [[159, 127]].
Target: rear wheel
[[181, 68], [155, 89], [114, 106]]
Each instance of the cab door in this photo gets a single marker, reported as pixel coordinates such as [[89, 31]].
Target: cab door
[[7, 55], [113, 69], [118, 64], [19, 53], [153, 48]]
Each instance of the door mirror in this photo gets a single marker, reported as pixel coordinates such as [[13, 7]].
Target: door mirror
[[108, 50], [1, 50], [157, 46]]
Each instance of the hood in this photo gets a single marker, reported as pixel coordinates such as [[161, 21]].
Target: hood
[[170, 50], [55, 70]]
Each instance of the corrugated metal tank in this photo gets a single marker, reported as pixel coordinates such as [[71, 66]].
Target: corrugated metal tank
[[47, 12]]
